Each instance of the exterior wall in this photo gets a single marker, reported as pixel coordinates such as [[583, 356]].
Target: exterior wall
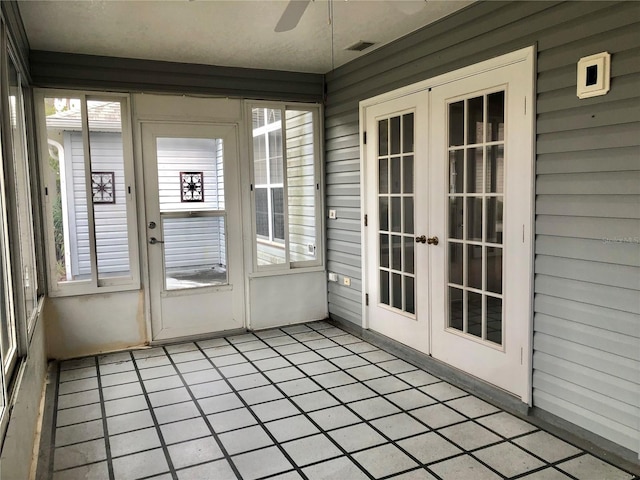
[[587, 265]]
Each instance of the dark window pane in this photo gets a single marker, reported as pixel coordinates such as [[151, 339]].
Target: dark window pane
[[475, 114], [474, 266], [409, 295], [455, 263], [474, 218], [383, 137], [456, 171], [455, 308], [383, 179], [474, 170], [407, 133], [494, 220], [384, 213], [407, 174], [494, 269], [456, 124], [396, 214], [396, 178], [277, 207], [456, 217], [395, 135], [397, 290], [494, 320], [495, 169], [384, 287], [474, 314], [262, 212], [495, 116], [408, 215], [384, 250], [396, 252], [409, 243]]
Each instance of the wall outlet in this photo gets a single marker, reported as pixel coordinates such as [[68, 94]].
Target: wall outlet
[[332, 214], [346, 281], [333, 277]]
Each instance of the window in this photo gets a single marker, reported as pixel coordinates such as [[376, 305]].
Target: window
[[286, 186], [89, 197]]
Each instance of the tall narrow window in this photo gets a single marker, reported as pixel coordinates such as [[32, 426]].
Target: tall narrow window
[[286, 188], [89, 194]]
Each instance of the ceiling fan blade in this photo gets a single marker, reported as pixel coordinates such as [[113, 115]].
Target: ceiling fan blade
[[292, 15]]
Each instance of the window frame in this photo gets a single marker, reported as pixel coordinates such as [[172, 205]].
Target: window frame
[[94, 284], [287, 266]]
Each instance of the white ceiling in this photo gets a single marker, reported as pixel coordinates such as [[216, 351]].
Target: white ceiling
[[237, 33]]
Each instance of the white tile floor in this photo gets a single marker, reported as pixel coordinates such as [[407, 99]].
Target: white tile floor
[[307, 401]]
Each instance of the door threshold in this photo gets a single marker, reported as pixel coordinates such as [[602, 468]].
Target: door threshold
[[197, 338]]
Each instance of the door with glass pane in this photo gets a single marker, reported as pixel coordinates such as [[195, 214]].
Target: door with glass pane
[[193, 229], [396, 231], [481, 174]]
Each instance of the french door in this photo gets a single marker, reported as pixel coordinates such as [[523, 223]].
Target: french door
[[449, 240], [193, 229]]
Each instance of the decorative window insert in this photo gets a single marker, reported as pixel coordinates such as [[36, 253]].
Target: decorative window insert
[[88, 192], [286, 193], [192, 186]]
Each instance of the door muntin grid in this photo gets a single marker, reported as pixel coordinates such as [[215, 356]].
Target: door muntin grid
[[475, 212], [396, 201]]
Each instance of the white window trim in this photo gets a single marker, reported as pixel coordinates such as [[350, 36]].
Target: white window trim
[[288, 266], [93, 285]]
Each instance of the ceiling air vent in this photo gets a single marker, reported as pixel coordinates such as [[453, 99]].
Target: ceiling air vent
[[359, 46]]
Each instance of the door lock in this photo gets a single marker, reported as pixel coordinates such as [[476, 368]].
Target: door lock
[[154, 240], [432, 240], [421, 239], [152, 225]]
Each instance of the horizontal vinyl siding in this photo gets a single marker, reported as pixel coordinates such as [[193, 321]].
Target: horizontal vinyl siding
[[587, 266]]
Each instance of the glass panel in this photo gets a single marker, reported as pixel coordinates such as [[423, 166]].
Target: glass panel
[[301, 185], [397, 290], [456, 171], [396, 252], [69, 206], [494, 219], [407, 174], [384, 250], [474, 170], [455, 308], [495, 117], [194, 252], [383, 137], [494, 269], [262, 212], [409, 243], [494, 320], [408, 214], [455, 263], [474, 266], [384, 287], [396, 178], [407, 133], [8, 340], [275, 156], [260, 159], [474, 218], [383, 179], [384, 213], [456, 218], [108, 188], [409, 295], [475, 114], [395, 135], [474, 314], [495, 169], [456, 124], [258, 117], [396, 214], [277, 210]]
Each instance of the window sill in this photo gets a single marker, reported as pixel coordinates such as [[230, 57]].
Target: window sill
[[288, 271]]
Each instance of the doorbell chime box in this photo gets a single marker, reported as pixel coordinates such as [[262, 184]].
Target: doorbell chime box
[[594, 73]]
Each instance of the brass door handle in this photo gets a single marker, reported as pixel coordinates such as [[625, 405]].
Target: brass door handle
[[421, 239], [433, 240]]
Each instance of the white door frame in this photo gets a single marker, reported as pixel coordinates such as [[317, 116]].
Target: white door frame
[[526, 57]]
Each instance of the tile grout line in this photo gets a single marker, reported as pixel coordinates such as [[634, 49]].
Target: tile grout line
[[105, 428], [163, 445]]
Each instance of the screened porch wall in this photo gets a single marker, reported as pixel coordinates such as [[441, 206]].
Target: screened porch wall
[[587, 264]]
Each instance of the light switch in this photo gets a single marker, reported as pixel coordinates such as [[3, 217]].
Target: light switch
[[332, 214]]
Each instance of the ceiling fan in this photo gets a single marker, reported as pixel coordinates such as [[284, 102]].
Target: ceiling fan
[[292, 15]]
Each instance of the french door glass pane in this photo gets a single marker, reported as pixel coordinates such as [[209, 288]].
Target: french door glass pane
[[396, 211], [194, 251], [475, 215]]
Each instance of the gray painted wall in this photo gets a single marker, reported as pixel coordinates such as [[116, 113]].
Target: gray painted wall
[[587, 266]]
